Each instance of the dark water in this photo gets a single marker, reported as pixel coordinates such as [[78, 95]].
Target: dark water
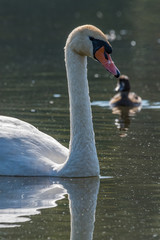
[[124, 204]]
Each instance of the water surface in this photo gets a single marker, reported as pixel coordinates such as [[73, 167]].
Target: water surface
[[124, 203]]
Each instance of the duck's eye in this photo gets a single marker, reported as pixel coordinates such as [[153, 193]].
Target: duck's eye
[[91, 38]]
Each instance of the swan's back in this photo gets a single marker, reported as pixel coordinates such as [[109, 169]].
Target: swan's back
[[25, 147]]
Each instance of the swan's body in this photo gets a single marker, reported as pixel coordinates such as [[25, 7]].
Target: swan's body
[[125, 98], [25, 151]]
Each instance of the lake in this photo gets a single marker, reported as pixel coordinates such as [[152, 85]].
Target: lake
[[124, 203]]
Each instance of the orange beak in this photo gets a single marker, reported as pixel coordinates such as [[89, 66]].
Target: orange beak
[[105, 59]]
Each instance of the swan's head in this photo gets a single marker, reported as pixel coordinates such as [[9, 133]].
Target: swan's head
[[88, 40]]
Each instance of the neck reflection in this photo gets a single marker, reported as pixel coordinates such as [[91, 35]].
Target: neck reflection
[[22, 197]]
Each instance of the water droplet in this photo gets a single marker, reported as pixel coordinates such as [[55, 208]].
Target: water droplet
[[133, 43], [56, 95], [158, 40], [33, 110], [155, 235], [33, 81], [123, 32], [99, 14], [96, 75], [112, 35]]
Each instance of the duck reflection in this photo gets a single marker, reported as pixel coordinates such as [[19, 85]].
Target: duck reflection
[[124, 119], [22, 197], [125, 104]]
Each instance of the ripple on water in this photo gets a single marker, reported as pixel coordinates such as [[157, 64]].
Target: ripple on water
[[146, 104], [105, 177]]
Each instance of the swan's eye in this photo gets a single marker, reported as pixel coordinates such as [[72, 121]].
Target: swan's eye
[[105, 54], [97, 44], [108, 47], [91, 38]]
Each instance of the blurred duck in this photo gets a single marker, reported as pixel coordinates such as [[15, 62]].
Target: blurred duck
[[124, 97]]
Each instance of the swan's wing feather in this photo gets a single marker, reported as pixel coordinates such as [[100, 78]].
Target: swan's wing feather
[[25, 147]]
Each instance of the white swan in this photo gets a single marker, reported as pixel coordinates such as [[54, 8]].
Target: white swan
[[25, 151]]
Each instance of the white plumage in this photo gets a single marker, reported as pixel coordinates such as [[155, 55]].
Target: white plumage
[[25, 151]]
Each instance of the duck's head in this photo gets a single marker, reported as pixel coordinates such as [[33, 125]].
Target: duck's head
[[123, 84], [88, 40]]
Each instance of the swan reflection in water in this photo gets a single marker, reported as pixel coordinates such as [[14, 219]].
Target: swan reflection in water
[[124, 119], [22, 197]]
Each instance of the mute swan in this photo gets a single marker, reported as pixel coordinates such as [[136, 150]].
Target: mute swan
[[124, 97], [25, 151]]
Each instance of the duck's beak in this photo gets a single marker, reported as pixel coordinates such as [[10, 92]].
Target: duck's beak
[[105, 59], [117, 88]]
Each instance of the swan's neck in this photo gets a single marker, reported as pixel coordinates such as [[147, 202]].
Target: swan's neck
[[82, 142], [81, 126]]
